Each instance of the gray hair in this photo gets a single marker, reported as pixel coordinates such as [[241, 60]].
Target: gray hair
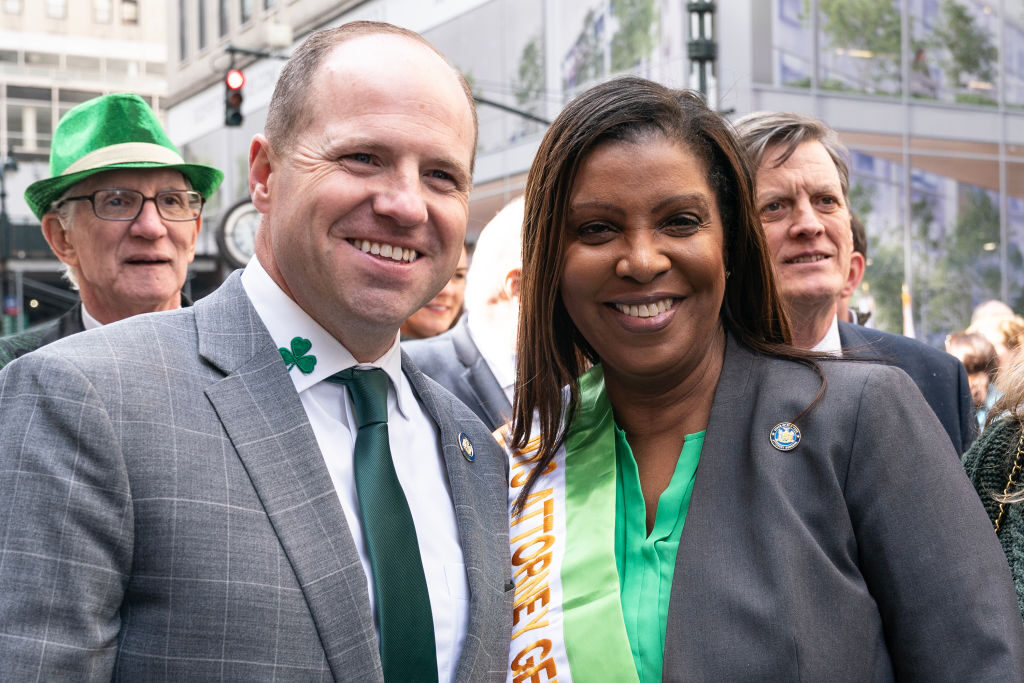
[[760, 130], [498, 250], [63, 212]]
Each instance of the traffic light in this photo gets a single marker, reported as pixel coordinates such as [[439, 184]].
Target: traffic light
[[233, 82]]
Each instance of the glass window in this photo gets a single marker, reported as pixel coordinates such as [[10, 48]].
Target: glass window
[[129, 12], [82, 64], [268, 4], [955, 241], [245, 7], [792, 46], [511, 73], [125, 67], [955, 55], [76, 96], [222, 18], [102, 11], [43, 59], [201, 23], [25, 92], [182, 34], [860, 46], [57, 9], [1013, 52], [12, 6]]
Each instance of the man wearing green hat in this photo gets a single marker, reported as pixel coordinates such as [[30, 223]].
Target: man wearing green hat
[[121, 210]]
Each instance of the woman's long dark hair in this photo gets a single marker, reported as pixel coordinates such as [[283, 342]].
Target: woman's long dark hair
[[552, 353]]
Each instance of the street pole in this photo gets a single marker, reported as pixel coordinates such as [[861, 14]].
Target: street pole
[[9, 164]]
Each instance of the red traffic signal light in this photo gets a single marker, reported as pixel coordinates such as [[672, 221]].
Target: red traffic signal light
[[233, 82], [234, 79]]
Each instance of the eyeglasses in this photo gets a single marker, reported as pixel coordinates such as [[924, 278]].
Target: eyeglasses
[[120, 204]]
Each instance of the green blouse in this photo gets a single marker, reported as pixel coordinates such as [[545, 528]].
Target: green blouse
[[646, 563]]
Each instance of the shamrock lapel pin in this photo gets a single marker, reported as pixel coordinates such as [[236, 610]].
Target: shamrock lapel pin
[[297, 356]]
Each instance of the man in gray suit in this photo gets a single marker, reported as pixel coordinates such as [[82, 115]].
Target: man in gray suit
[[201, 494], [476, 359]]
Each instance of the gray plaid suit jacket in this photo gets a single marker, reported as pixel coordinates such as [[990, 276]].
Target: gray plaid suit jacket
[[165, 513]]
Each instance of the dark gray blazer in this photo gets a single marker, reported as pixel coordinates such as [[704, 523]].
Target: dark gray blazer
[[454, 362], [17, 345], [863, 554], [940, 376], [167, 515]]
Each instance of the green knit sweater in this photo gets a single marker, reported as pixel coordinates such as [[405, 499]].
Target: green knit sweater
[[988, 463]]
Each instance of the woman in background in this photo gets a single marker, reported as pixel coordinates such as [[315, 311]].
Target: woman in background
[[979, 359], [690, 497], [441, 312], [994, 464]]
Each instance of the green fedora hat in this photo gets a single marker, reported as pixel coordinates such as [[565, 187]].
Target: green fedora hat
[[109, 133]]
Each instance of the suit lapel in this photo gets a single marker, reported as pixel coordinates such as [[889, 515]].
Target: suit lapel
[[852, 340], [471, 507], [478, 377], [264, 418], [698, 562]]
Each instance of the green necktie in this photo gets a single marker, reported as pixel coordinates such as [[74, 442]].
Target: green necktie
[[403, 605]]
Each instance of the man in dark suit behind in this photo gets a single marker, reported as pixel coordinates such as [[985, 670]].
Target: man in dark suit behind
[[262, 486], [476, 360], [802, 193]]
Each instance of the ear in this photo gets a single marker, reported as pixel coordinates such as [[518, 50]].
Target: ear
[[856, 274], [57, 237], [511, 287], [260, 170], [195, 235]]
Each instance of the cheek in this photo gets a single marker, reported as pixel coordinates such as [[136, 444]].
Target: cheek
[[775, 235]]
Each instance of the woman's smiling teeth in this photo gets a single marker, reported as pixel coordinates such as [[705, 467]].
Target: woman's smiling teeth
[[644, 310], [386, 250]]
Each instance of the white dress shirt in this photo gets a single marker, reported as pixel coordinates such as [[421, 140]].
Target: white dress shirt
[[415, 450], [89, 322], [831, 343]]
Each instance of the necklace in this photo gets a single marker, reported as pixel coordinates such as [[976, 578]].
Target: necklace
[[1012, 481]]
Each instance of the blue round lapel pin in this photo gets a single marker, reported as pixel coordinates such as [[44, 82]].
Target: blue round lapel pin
[[785, 436], [467, 447]]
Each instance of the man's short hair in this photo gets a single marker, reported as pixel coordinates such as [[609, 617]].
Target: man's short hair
[[288, 111], [760, 130]]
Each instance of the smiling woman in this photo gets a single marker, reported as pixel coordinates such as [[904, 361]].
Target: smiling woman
[[441, 312], [690, 496]]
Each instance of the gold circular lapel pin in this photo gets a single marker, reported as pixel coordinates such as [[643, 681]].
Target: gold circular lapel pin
[[467, 447]]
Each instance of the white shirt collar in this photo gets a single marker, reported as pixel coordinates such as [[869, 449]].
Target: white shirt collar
[[285, 320], [831, 343], [89, 322]]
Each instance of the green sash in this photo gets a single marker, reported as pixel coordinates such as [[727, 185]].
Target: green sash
[[568, 621]]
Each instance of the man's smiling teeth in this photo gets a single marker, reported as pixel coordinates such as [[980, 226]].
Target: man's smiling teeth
[[645, 310], [808, 259], [386, 250]]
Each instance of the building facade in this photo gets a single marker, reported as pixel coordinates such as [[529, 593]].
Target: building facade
[[927, 94], [55, 54]]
